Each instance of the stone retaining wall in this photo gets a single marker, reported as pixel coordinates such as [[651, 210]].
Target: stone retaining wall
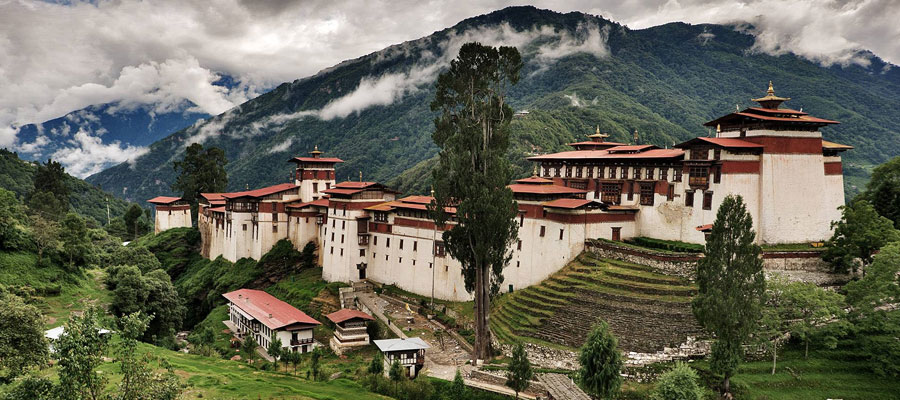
[[678, 264]]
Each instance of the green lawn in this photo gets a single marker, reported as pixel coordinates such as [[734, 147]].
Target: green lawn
[[57, 292]]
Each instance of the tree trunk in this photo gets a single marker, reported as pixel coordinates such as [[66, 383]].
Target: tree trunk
[[727, 384], [774, 356], [806, 351], [480, 334]]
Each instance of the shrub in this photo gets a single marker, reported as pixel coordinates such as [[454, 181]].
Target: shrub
[[679, 383]]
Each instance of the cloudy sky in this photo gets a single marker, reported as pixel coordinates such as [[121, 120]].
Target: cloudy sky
[[57, 58]]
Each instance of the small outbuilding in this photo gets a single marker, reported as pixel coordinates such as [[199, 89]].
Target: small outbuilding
[[410, 352], [350, 329]]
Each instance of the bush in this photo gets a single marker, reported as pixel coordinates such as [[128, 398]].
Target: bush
[[667, 245], [679, 383]]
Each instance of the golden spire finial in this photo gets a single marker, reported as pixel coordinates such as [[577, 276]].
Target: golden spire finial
[[534, 171], [360, 176], [316, 148], [718, 128], [598, 129], [771, 91], [432, 190], [635, 136]]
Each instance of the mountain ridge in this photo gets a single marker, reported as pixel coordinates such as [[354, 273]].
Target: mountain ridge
[[665, 81]]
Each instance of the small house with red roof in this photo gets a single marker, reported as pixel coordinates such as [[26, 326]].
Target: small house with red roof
[[260, 315], [170, 212], [350, 329]]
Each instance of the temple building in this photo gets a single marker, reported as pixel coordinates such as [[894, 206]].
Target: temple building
[[171, 212], [790, 178]]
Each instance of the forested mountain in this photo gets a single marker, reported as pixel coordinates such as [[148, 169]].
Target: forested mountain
[[17, 176], [581, 72]]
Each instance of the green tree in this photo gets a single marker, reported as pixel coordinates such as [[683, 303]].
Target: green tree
[[472, 133], [248, 348], [31, 387], [275, 351], [376, 367], [857, 236], [45, 235], [294, 359], [776, 316], [731, 286], [678, 383], [519, 373], [139, 381], [201, 171], [458, 390], [131, 221], [11, 218], [601, 362], [50, 196], [872, 312], [76, 244], [397, 372], [22, 341], [151, 294], [315, 361], [883, 190], [308, 255], [80, 350], [815, 314]]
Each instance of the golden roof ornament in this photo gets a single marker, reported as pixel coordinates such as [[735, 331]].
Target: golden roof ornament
[[534, 171], [771, 101], [315, 153]]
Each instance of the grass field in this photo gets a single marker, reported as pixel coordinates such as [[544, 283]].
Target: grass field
[[57, 292]]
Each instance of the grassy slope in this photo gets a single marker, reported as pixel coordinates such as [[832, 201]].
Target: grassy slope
[[57, 292]]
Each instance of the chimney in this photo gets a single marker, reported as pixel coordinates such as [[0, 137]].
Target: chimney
[[270, 315]]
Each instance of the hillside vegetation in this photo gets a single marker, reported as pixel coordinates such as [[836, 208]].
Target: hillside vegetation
[[664, 82]]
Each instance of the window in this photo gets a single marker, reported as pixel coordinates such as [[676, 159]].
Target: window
[[400, 260], [568, 171], [345, 210], [343, 224], [342, 252], [630, 186], [561, 234], [387, 242], [647, 194], [362, 252], [331, 251], [543, 229], [664, 174], [699, 176], [342, 238], [332, 236], [519, 245], [380, 217], [245, 227], [671, 194], [612, 173], [611, 193], [414, 261], [401, 244], [649, 174], [636, 173], [521, 219], [699, 154], [439, 249], [677, 177], [601, 172], [518, 264], [707, 201], [375, 240], [717, 154], [333, 223], [386, 257], [623, 174], [578, 172], [275, 217], [717, 177], [274, 228], [315, 187], [689, 198], [415, 245]]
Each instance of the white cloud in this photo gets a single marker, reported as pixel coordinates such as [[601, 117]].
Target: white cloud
[[56, 57], [87, 154], [280, 147]]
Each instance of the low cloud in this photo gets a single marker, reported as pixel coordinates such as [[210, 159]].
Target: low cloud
[[281, 147], [87, 154]]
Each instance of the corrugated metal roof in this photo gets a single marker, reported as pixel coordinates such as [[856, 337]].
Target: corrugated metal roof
[[413, 343]]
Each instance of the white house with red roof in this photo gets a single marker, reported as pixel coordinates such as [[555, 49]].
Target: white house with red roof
[[790, 178], [261, 315], [171, 212], [350, 329]]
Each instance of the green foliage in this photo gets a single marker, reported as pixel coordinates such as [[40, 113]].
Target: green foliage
[[668, 245], [30, 387], [397, 373], [376, 367], [12, 231], [275, 351], [151, 294], [139, 381], [22, 342], [47, 205], [76, 245], [80, 351], [877, 321], [308, 255], [315, 359], [472, 132], [248, 348], [45, 236], [519, 373], [139, 256], [601, 363], [50, 196], [458, 388], [679, 383], [136, 224], [883, 190], [731, 285], [201, 171], [857, 236]]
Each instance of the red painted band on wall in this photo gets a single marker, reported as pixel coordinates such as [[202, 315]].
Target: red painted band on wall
[[787, 145], [173, 208], [740, 167], [834, 168]]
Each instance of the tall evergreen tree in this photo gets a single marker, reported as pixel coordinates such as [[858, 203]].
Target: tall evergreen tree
[[519, 373], [601, 363], [76, 244], [275, 351], [131, 218], [883, 190], [201, 171], [472, 132], [732, 285]]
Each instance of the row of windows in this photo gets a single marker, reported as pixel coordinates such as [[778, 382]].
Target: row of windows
[[611, 172], [707, 199]]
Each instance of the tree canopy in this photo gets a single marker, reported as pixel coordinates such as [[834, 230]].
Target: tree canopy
[[601, 362], [22, 342], [857, 236], [200, 171], [519, 372], [472, 132], [883, 190], [731, 285]]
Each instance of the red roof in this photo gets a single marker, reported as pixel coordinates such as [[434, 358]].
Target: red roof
[[777, 111], [342, 191], [629, 148], [567, 203], [212, 196], [604, 154], [773, 115], [418, 199], [163, 200], [724, 142], [267, 309], [544, 189], [323, 202], [261, 192], [329, 160], [347, 314], [704, 228], [354, 185], [535, 180], [593, 143], [217, 209]]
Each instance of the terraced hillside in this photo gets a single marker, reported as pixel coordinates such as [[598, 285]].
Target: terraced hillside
[[645, 310]]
